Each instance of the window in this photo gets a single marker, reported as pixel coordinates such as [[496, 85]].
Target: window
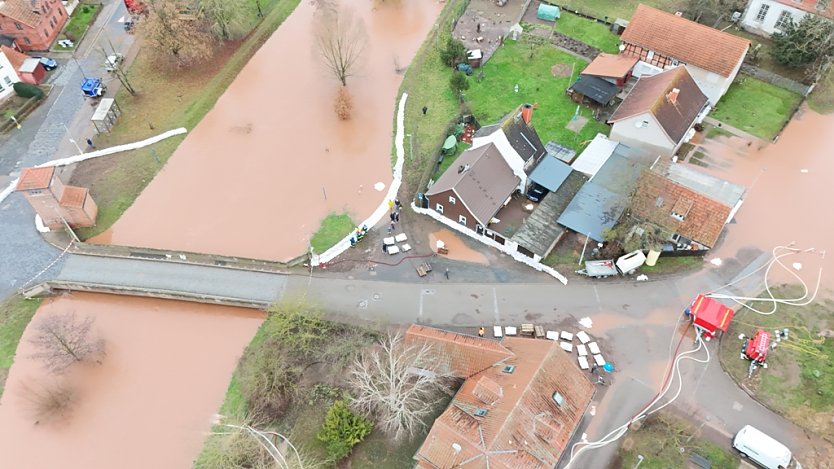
[[18, 26], [45, 33], [658, 202], [8, 80], [60, 13], [462, 220], [452, 200], [650, 55], [43, 8], [439, 208], [677, 216], [27, 41], [2, 89], [784, 19], [641, 124], [760, 16]]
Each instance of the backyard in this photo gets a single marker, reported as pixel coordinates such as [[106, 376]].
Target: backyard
[[756, 107], [606, 9], [116, 182], [799, 380], [665, 441], [542, 73], [588, 31], [79, 21]]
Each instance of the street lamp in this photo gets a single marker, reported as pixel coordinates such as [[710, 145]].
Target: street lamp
[[80, 151]]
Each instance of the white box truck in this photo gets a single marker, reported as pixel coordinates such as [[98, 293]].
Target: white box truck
[[763, 450]]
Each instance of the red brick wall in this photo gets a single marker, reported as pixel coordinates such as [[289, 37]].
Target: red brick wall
[[452, 211], [36, 37], [46, 206]]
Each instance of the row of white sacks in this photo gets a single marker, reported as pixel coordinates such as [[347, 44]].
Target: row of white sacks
[[582, 349]]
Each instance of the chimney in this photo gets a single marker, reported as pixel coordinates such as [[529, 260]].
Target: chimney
[[672, 96], [527, 113]]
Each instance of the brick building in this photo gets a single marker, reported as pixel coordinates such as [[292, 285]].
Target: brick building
[[55, 202], [33, 24]]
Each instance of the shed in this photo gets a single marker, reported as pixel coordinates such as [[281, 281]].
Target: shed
[[594, 89], [548, 12], [31, 71], [105, 115], [710, 316]]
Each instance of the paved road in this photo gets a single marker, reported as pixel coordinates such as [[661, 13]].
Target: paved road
[[44, 136]]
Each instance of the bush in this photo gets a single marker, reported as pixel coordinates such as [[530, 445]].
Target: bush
[[453, 53], [267, 379], [85, 9], [27, 90], [458, 83], [342, 430]]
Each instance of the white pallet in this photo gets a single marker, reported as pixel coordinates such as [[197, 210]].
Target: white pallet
[[583, 337], [583, 363], [496, 331], [552, 335], [594, 348], [567, 336], [581, 350]]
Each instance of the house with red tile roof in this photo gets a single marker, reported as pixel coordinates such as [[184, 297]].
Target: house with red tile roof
[[33, 24], [692, 207], [766, 17], [520, 412], [662, 40], [659, 113], [10, 61]]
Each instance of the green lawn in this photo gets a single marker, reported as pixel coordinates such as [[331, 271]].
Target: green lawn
[[79, 21], [495, 96], [332, 230], [614, 9], [756, 107], [588, 31], [718, 132], [660, 439], [115, 183], [669, 265], [15, 314], [799, 380]]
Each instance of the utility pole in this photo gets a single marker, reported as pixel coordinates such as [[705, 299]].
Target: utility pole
[[117, 68]]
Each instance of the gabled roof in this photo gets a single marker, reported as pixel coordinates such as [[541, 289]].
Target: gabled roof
[[15, 58], [824, 8], [22, 11], [675, 111], [524, 428], [610, 65], [464, 355], [35, 178], [705, 202], [523, 137], [602, 200], [482, 180], [690, 42], [595, 88]]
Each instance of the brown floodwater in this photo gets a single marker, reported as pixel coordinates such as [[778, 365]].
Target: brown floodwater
[[148, 405], [271, 160], [788, 184], [458, 250]]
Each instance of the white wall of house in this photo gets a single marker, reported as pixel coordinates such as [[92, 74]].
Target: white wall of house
[[712, 84], [8, 77], [511, 156], [764, 21], [643, 131]]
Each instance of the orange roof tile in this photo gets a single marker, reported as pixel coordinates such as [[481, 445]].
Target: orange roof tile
[[16, 58], [465, 355], [35, 178], [22, 11], [525, 428], [610, 65], [818, 7], [73, 197], [685, 40]]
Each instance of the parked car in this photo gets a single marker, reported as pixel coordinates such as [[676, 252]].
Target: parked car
[[537, 192], [763, 450], [113, 61], [48, 64]]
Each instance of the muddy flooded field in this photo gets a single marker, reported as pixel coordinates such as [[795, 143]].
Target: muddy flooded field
[[148, 404], [788, 184], [271, 160]]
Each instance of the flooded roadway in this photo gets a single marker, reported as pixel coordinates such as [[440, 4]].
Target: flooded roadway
[[149, 405], [271, 160]]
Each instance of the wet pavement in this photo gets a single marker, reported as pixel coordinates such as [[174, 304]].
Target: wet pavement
[[271, 160], [151, 401]]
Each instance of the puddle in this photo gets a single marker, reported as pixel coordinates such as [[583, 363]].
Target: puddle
[[458, 250], [271, 160], [149, 404]]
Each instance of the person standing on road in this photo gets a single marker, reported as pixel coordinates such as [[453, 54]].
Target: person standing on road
[[90, 143], [446, 273]]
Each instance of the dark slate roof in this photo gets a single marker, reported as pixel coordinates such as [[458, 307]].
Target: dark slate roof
[[6, 41], [601, 201], [540, 231], [482, 180], [550, 173], [522, 137], [595, 88]]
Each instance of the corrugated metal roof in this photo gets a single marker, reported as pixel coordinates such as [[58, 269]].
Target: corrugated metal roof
[[595, 155], [715, 188], [550, 173], [595, 88]]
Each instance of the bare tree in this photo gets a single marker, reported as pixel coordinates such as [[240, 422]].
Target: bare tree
[[398, 384], [224, 17], [175, 33], [340, 39], [64, 339], [48, 403]]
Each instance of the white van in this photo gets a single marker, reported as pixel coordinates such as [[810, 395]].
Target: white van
[[763, 450]]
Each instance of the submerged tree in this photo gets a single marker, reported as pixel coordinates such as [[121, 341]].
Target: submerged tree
[[340, 39], [343, 104], [398, 384], [64, 339], [48, 403]]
